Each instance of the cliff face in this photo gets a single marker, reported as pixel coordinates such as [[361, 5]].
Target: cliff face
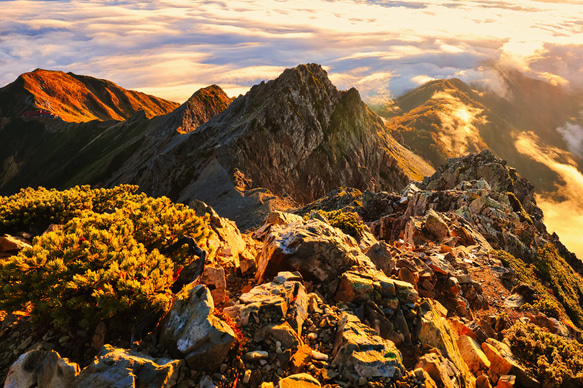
[[296, 135], [77, 98]]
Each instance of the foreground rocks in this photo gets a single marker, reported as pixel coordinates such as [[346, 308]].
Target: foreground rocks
[[422, 299]]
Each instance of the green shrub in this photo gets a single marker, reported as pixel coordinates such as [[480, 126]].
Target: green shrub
[[553, 359], [348, 222], [565, 283], [33, 210], [98, 266]]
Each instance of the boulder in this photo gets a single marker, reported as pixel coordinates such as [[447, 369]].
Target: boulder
[[436, 331], [10, 243], [380, 255], [503, 363], [41, 368], [115, 367], [193, 332], [317, 250], [284, 297], [472, 354], [275, 218], [299, 380], [436, 226], [213, 277], [360, 352], [437, 367]]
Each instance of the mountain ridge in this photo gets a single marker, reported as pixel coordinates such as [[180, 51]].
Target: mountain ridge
[[77, 98]]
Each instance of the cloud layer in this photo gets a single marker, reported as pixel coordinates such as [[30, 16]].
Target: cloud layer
[[384, 48]]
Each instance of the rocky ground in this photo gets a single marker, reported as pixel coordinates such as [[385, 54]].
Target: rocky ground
[[420, 299]]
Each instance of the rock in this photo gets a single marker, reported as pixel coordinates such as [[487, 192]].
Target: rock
[[506, 381], [300, 380], [300, 359], [502, 362], [360, 352], [435, 225], [437, 368], [114, 367], [10, 243], [483, 382], [41, 368], [192, 331], [472, 354], [284, 297], [436, 331], [355, 287], [256, 355], [213, 277], [282, 332], [275, 218], [380, 255], [206, 382], [230, 242], [314, 248]]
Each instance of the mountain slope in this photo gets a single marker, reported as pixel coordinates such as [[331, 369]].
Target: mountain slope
[[296, 135], [76, 98], [91, 152], [447, 118]]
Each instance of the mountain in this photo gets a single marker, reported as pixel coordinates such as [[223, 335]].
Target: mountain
[[76, 98], [297, 136], [448, 118]]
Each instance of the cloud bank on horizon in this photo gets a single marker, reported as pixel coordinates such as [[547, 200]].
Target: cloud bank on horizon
[[171, 48]]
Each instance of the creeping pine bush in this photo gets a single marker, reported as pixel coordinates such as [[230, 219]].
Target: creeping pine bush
[[553, 359], [99, 265], [348, 222]]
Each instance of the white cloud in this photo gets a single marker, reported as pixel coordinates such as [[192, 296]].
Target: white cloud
[[176, 43]]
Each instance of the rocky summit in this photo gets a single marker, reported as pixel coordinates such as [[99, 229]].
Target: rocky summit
[[452, 281]]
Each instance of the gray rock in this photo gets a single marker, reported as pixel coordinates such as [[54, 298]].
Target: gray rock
[[121, 368], [41, 368], [192, 331], [317, 250], [360, 352]]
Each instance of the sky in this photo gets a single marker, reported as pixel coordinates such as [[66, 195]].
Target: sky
[[171, 48]]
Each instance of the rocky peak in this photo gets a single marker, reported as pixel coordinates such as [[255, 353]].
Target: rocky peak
[[203, 105]]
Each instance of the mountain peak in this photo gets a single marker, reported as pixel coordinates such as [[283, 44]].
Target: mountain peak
[[203, 105], [76, 98]]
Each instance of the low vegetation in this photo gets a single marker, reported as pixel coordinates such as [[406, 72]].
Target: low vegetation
[[102, 261], [553, 359]]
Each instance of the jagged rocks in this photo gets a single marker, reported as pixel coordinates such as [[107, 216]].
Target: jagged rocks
[[300, 380], [113, 367], [317, 250], [472, 354], [360, 353], [436, 331], [193, 332], [43, 369], [284, 297]]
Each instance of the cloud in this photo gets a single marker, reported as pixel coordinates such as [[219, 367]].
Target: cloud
[[573, 135], [563, 209], [176, 44], [458, 131]]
